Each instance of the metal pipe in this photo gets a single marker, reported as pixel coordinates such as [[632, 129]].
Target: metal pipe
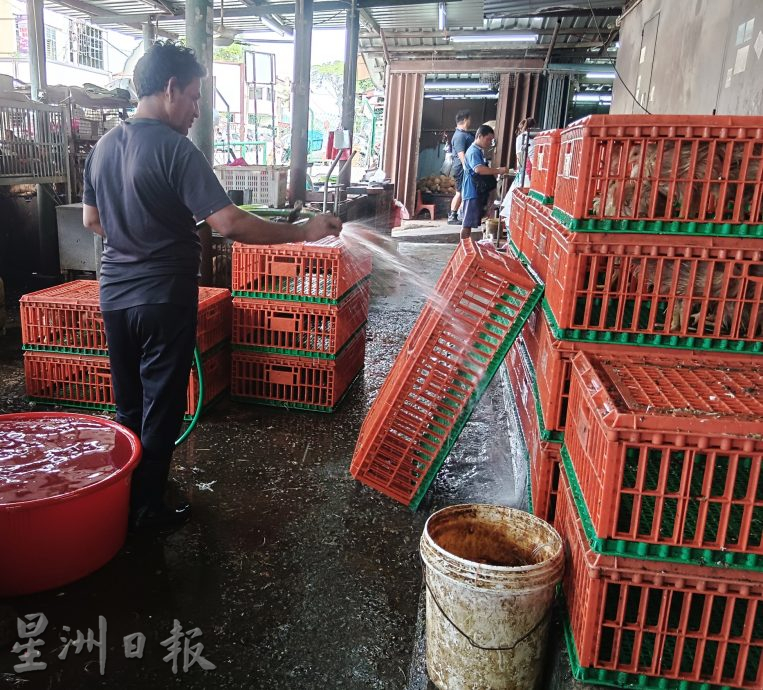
[[352, 29], [326, 182], [198, 29], [38, 74], [300, 102], [149, 34]]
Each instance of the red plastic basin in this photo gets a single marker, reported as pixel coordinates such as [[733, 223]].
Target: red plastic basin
[[64, 497]]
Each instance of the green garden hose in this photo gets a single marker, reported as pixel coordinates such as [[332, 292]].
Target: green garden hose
[[197, 412]]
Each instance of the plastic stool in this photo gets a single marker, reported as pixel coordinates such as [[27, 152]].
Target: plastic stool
[[421, 206]]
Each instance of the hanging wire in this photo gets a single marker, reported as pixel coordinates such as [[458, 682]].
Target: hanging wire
[[612, 61]]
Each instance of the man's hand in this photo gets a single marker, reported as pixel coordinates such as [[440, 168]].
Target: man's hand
[[322, 226]]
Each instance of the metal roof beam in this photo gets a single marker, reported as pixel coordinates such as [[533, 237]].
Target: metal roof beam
[[234, 12], [597, 12], [450, 66]]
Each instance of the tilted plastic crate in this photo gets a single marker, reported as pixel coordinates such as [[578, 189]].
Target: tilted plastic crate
[[545, 162], [68, 318], [544, 456], [84, 381], [477, 309], [307, 330], [669, 457], [685, 292], [267, 183], [657, 626], [320, 271], [686, 174], [306, 383]]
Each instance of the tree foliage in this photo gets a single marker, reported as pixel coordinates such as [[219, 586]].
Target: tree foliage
[[231, 53], [329, 77]]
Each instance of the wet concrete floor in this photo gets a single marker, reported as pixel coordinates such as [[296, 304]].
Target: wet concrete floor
[[296, 575]]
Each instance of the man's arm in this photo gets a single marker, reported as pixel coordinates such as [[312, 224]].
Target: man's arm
[[486, 170], [91, 219], [240, 226], [462, 157]]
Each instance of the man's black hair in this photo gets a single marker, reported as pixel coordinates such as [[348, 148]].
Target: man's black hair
[[482, 130], [462, 116], [163, 61]]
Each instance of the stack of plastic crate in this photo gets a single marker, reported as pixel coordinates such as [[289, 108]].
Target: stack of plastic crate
[[462, 335], [661, 503], [299, 322], [652, 252], [66, 355]]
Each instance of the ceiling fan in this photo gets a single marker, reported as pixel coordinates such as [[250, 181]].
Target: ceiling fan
[[223, 36]]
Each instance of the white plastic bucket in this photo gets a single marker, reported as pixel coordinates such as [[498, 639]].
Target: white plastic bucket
[[490, 574]]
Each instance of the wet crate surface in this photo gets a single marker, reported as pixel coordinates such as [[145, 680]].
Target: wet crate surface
[[669, 454], [84, 381], [298, 382], [695, 293], [537, 236], [455, 348], [282, 327], [686, 174], [320, 271], [68, 318], [643, 624], [544, 456]]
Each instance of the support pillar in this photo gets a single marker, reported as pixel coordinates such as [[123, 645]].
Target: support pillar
[[352, 29], [36, 36], [300, 98], [47, 229], [199, 17], [149, 34]]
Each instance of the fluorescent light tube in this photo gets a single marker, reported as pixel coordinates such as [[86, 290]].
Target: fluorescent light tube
[[493, 37], [600, 75], [463, 85]]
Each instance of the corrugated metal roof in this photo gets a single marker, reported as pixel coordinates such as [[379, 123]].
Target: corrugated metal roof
[[409, 29]]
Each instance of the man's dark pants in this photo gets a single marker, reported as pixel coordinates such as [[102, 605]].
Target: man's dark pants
[[150, 349]]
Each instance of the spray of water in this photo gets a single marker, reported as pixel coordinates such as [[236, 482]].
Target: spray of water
[[358, 236]]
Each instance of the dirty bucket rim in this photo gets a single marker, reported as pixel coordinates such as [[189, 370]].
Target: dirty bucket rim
[[136, 452], [544, 564]]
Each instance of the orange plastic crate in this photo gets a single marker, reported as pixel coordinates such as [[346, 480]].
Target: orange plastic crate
[[304, 271], [280, 327], [516, 227], [544, 456], [478, 307], [545, 162], [670, 453], [536, 240], [68, 317], [638, 623], [298, 382], [687, 168], [693, 292], [84, 381], [552, 360]]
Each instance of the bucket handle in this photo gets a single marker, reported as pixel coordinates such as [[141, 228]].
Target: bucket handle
[[510, 648]]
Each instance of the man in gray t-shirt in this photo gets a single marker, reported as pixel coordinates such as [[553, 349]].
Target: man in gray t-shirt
[[146, 187]]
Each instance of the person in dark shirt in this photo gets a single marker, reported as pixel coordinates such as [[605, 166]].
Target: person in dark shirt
[[146, 187], [461, 141]]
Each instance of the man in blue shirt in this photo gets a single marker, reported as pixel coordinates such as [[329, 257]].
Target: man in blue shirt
[[461, 141], [475, 191], [146, 187]]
